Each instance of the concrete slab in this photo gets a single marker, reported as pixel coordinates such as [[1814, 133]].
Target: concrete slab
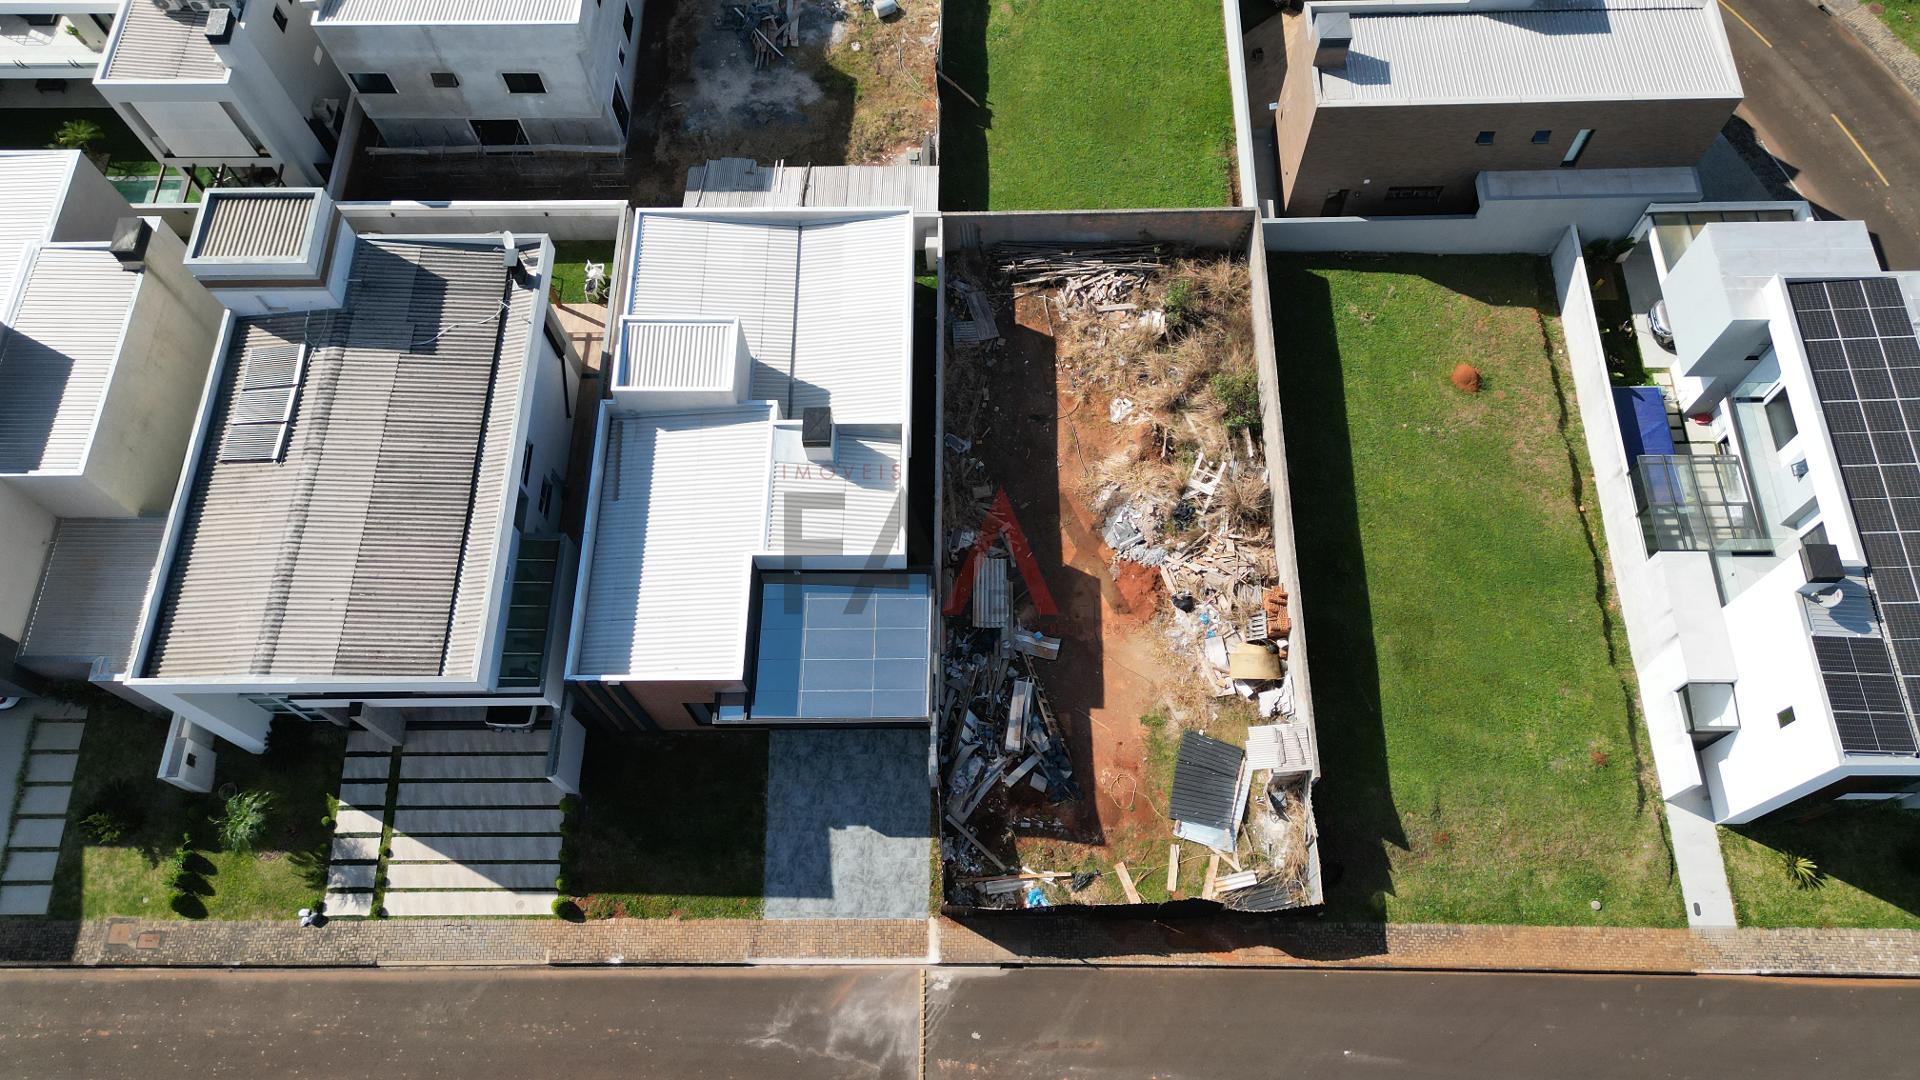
[[474, 767], [51, 768], [471, 875], [435, 822], [364, 796], [537, 793], [38, 832], [30, 865], [474, 741], [353, 821], [51, 799], [355, 848], [403, 904], [847, 825], [16, 727], [349, 905], [1696, 852], [26, 899], [366, 768], [475, 849], [344, 876], [58, 735], [362, 741]]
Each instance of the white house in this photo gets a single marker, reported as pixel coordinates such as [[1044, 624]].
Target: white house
[[746, 558], [105, 342], [236, 83], [368, 528], [464, 73], [54, 39], [1782, 532]]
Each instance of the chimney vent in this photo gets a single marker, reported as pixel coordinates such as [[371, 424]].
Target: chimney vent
[[129, 245], [816, 433], [219, 27], [1332, 36]]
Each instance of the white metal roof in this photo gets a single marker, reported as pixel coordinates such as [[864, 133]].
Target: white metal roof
[[682, 510], [449, 11], [852, 506], [34, 182], [1627, 51], [58, 353], [678, 354], [153, 44], [93, 591]]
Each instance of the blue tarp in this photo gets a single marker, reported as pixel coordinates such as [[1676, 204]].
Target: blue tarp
[[1643, 421]]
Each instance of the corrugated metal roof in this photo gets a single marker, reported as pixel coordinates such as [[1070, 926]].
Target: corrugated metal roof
[[683, 509], [34, 181], [745, 182], [160, 45], [743, 269], [1206, 780], [1851, 617], [449, 11], [93, 590], [261, 224], [677, 355], [368, 548], [1619, 52], [850, 507], [58, 354]]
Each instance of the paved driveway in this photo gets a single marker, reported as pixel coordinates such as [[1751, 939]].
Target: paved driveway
[[847, 825]]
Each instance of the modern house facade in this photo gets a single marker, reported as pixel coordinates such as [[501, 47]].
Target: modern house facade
[[243, 85], [450, 73], [1396, 107], [746, 550], [1777, 528], [61, 41], [367, 531], [106, 338]]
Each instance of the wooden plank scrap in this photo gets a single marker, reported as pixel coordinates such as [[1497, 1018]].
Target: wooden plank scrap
[[1213, 874], [1173, 867], [1126, 883]]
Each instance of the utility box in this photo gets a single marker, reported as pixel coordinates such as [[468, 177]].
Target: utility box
[[189, 757]]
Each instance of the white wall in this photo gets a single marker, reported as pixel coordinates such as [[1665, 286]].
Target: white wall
[[26, 530], [583, 219]]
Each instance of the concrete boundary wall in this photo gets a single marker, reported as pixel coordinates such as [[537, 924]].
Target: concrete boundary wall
[[1242, 112], [1222, 229], [596, 219]]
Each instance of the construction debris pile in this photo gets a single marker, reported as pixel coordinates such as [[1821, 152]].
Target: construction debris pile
[[766, 27]]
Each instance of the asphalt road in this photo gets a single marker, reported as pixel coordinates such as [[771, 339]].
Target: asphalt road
[[1805, 77], [800, 1024]]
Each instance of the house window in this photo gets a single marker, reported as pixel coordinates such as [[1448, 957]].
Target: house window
[[626, 22], [498, 132], [1780, 420], [524, 82], [372, 82], [1579, 147], [280, 19], [1431, 191], [280, 706], [620, 109], [1785, 716], [546, 497], [444, 80], [526, 464], [1540, 137], [1485, 138]]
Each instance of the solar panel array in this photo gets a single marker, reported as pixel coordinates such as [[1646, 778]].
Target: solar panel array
[[1866, 369]]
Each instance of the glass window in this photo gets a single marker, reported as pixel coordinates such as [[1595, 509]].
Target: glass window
[[1579, 147], [280, 19], [445, 80], [626, 22], [372, 82], [1780, 420], [1540, 137], [1485, 138]]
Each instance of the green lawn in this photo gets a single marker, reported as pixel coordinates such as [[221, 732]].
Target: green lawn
[[671, 826], [1903, 17], [1869, 862], [33, 129], [1482, 753], [1088, 104], [570, 258], [132, 876]]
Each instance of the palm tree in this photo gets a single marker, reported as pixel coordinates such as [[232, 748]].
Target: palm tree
[[77, 135]]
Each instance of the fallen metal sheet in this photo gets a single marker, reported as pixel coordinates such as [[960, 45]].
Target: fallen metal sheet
[[991, 608]]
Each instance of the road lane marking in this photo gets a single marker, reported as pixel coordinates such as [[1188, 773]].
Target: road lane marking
[[1745, 23], [1863, 152]]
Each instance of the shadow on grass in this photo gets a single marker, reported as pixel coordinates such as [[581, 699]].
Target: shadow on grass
[[1873, 848], [964, 124]]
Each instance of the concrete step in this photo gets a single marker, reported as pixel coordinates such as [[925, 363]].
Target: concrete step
[[475, 741], [536, 793], [403, 904], [33, 899], [45, 768], [471, 876], [44, 832], [350, 876], [434, 822], [362, 741], [367, 768], [349, 905], [30, 866], [57, 735], [365, 796], [474, 767], [355, 849], [353, 821], [475, 848], [52, 799]]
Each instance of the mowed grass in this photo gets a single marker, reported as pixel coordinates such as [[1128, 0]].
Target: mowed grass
[[1868, 857], [1473, 694], [1903, 18], [570, 259], [1086, 104]]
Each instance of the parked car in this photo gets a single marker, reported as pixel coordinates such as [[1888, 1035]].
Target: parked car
[[1657, 322]]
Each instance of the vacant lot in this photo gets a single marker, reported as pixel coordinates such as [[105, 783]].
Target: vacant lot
[[1474, 698], [1867, 863], [1092, 104]]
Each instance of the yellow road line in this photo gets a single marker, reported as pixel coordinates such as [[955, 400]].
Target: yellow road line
[[1863, 152], [1745, 23]]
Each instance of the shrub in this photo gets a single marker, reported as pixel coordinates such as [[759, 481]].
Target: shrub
[[100, 827], [1239, 391], [116, 813], [77, 135], [562, 886], [1802, 871], [1179, 304], [602, 907], [244, 820], [567, 909], [569, 805]]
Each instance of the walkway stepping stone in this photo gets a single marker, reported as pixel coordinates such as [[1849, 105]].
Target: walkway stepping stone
[[362, 741], [57, 735], [30, 865], [474, 767], [367, 768], [350, 876], [50, 799], [353, 821], [428, 822], [42, 832], [366, 796], [349, 904], [473, 848], [471, 876], [25, 899], [537, 793], [458, 741], [402, 904], [355, 849], [51, 768]]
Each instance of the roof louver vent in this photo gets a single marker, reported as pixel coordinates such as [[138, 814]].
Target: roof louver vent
[[262, 406]]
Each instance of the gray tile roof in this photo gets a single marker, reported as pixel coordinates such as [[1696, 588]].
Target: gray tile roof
[[368, 549], [450, 11], [160, 45]]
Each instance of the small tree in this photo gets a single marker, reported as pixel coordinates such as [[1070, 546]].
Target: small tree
[[77, 135], [244, 820]]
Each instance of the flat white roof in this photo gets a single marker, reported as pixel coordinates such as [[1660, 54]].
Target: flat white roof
[[58, 353], [35, 182], [448, 11]]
